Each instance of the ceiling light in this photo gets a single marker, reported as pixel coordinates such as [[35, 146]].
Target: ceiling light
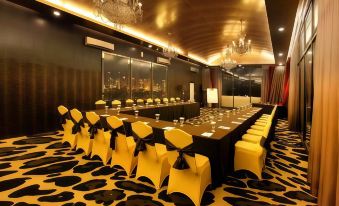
[[239, 65], [150, 46], [240, 45], [281, 29], [280, 54], [280, 64], [56, 13]]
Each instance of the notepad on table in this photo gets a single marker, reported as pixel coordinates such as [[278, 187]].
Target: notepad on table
[[146, 122], [105, 115], [207, 134], [241, 118], [223, 127], [123, 118], [168, 128]]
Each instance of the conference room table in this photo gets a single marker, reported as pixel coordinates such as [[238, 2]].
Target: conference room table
[[219, 147]]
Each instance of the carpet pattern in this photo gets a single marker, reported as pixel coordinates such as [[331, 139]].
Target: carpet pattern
[[40, 170]]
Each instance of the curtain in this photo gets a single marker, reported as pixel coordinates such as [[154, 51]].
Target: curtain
[[276, 91], [324, 146], [265, 85], [286, 83], [294, 92]]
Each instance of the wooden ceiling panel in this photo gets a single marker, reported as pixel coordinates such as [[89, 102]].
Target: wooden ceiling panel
[[201, 27]]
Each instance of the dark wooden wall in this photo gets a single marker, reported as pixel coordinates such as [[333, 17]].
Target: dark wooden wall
[[44, 63]]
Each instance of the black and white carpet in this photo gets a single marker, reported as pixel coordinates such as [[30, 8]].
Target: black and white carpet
[[39, 170]]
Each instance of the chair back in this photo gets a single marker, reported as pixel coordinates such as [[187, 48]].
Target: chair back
[[143, 131], [115, 103], [92, 118], [120, 141], [62, 110], [140, 102], [165, 100], [149, 101], [129, 102], [76, 115], [100, 104], [177, 99], [172, 99], [180, 140], [157, 100]]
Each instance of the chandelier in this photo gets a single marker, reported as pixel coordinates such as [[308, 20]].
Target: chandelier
[[226, 60], [169, 51], [241, 46], [119, 12]]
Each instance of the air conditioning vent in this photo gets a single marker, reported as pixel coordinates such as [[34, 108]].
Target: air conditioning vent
[[99, 44], [195, 70], [161, 60]]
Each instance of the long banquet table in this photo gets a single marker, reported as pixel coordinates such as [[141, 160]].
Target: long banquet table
[[219, 147]]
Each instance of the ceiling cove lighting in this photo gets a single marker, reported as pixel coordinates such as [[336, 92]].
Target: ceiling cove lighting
[[281, 29], [56, 13], [90, 16]]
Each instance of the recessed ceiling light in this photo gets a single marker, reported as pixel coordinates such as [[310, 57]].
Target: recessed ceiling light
[[239, 65], [280, 64], [281, 54], [281, 29], [56, 13], [150, 46]]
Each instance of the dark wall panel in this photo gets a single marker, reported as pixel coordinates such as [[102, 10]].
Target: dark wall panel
[[44, 63]]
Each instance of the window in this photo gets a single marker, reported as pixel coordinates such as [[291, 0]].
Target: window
[[141, 79], [159, 84], [116, 77]]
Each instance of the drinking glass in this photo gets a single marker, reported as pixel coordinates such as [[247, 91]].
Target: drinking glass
[[118, 110], [228, 113], [136, 113], [233, 111], [134, 106], [146, 104], [106, 109], [175, 121], [157, 116], [220, 117], [213, 126], [182, 120]]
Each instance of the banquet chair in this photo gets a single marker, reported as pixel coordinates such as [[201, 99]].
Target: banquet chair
[[152, 157], [257, 134], [81, 130], [129, 102], [249, 156], [100, 104], [172, 100], [165, 100], [140, 102], [101, 141], [149, 101], [123, 147], [67, 125], [157, 100], [192, 178], [116, 103], [177, 99]]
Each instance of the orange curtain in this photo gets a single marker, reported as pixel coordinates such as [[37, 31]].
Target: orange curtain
[[324, 146]]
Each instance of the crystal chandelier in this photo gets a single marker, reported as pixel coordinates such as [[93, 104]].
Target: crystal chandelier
[[169, 51], [241, 46], [226, 60], [119, 12]]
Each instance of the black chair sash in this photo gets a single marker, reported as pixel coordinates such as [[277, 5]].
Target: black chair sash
[[114, 134], [141, 143], [93, 129], [77, 126], [180, 163], [63, 118]]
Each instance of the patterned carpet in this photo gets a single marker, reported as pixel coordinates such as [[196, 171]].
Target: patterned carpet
[[39, 170]]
